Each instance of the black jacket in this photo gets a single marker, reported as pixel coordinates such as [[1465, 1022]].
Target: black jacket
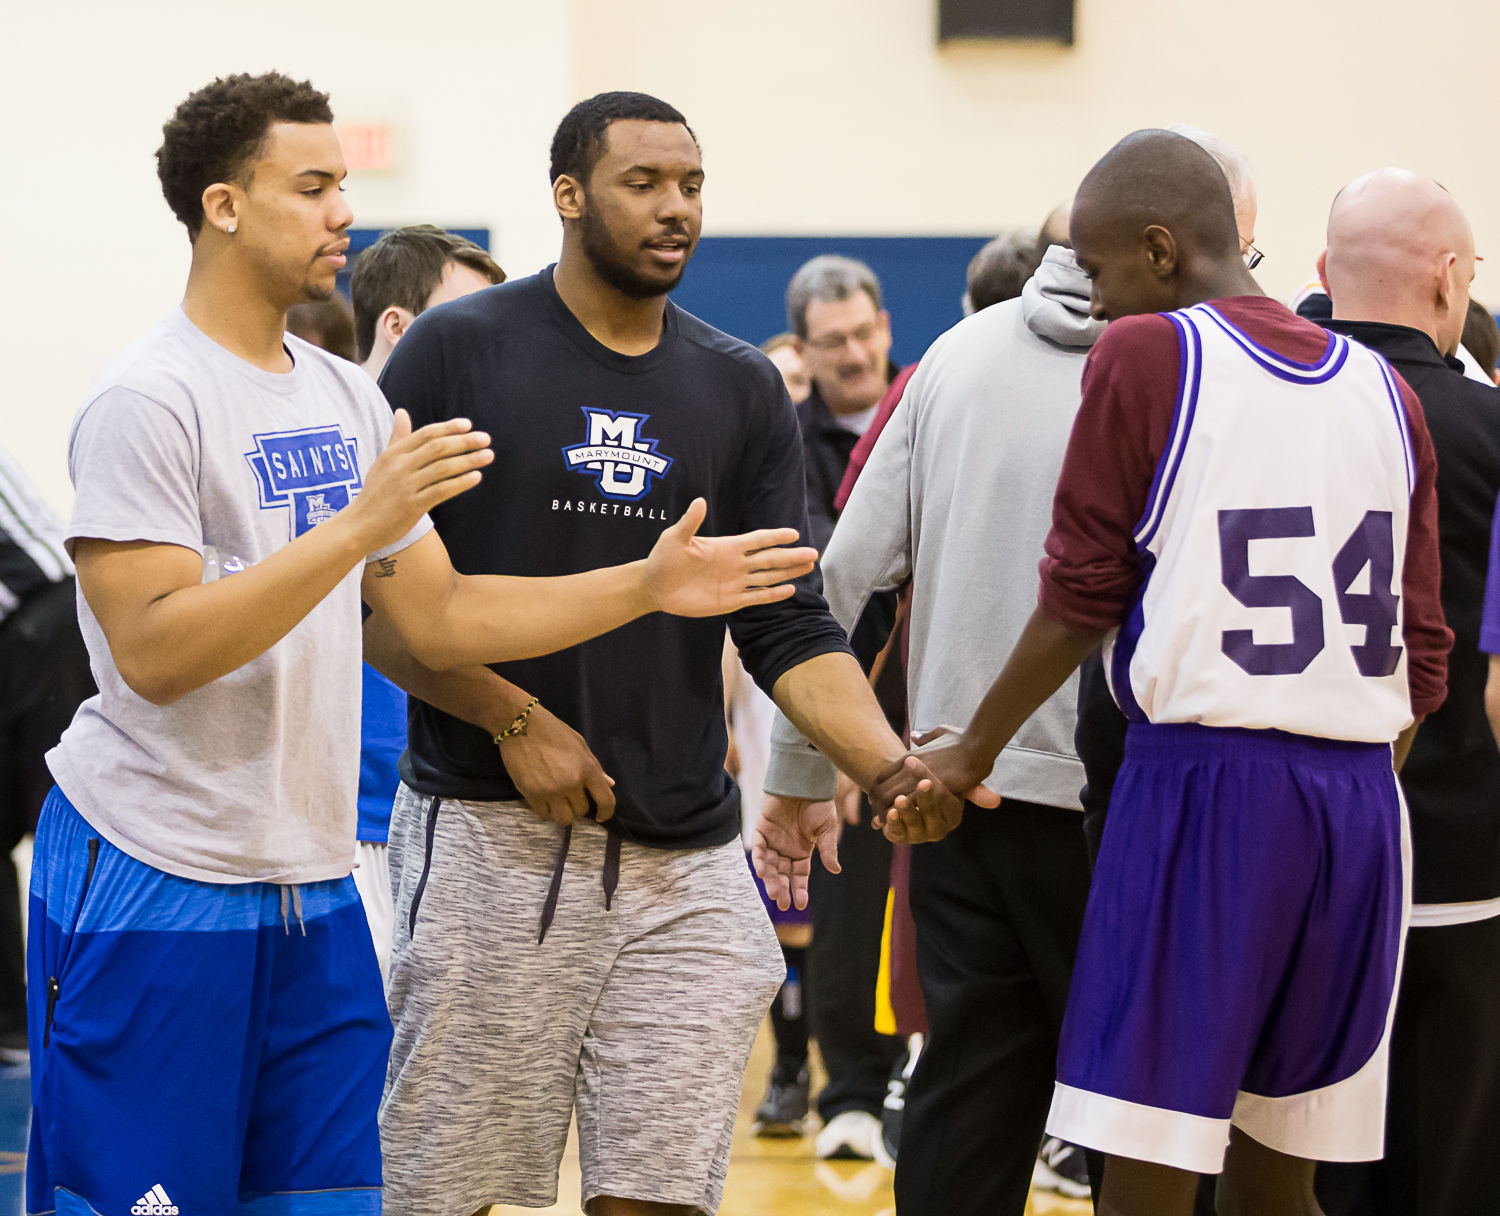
[[1452, 777], [826, 448]]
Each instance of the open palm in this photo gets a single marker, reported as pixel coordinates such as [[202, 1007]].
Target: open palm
[[788, 831], [692, 575]]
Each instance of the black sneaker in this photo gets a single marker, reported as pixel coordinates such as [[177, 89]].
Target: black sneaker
[[783, 1111], [894, 1106], [1060, 1168]]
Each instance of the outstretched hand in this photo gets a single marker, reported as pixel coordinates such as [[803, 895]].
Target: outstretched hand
[[692, 575], [417, 471], [788, 831]]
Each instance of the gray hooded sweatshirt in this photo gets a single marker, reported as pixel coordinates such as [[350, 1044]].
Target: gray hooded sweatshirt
[[957, 496]]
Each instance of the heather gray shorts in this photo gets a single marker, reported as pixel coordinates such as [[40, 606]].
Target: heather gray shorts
[[640, 1017]]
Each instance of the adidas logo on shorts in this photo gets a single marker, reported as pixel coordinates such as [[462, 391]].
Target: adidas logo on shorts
[[154, 1203]]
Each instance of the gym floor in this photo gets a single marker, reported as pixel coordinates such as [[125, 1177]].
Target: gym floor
[[783, 1178]]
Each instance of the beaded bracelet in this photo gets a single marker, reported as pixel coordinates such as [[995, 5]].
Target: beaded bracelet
[[518, 727]]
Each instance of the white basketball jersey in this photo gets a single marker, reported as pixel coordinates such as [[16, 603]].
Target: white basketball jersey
[[1272, 545]]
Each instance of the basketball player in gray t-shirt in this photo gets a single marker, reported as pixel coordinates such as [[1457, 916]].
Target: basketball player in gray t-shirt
[[209, 1032]]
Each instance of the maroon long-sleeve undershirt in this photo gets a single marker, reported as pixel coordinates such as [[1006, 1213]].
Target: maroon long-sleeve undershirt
[[1091, 569]]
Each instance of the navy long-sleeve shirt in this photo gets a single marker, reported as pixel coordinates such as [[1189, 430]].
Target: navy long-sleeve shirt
[[1453, 771], [595, 453]]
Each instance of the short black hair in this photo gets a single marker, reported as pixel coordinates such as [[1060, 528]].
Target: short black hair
[[402, 269], [579, 142], [220, 129]]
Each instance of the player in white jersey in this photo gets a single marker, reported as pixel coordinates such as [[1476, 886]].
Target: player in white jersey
[[1247, 518], [1291, 484]]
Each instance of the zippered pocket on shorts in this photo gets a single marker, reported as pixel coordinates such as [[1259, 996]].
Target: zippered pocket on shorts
[[54, 983], [416, 896]]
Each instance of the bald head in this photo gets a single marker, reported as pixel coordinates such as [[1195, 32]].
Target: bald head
[[1055, 226], [1154, 224], [1238, 174], [1400, 250]]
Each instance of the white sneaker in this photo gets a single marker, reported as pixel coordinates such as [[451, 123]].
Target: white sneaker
[[1060, 1168], [851, 1135]]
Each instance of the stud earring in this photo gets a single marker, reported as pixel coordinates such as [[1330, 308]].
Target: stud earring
[[231, 227]]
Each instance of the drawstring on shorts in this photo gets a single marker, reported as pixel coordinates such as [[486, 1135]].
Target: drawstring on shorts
[[291, 896], [554, 888], [611, 868]]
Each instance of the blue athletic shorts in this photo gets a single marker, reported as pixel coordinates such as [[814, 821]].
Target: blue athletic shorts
[[197, 1048], [1240, 951]]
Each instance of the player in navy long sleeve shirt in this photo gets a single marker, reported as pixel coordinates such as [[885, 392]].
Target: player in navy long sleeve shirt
[[611, 410], [700, 415]]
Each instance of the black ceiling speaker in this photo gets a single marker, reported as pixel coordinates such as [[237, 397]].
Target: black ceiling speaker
[[1036, 20]]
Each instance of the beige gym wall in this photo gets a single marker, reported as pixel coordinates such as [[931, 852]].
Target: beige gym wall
[[90, 255], [816, 116]]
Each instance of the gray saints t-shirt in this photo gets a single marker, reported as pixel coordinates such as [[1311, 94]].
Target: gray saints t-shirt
[[255, 775]]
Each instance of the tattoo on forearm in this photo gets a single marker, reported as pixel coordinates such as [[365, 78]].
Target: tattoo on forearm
[[385, 567]]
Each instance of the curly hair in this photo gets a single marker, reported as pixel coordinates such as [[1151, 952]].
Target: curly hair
[[218, 132], [579, 142]]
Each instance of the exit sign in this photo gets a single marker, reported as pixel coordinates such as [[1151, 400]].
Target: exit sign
[[369, 147]]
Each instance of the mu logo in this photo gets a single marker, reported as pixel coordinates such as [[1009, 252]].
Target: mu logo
[[616, 455]]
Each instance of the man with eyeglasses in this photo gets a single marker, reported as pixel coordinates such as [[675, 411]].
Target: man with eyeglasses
[[835, 311], [1237, 171]]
